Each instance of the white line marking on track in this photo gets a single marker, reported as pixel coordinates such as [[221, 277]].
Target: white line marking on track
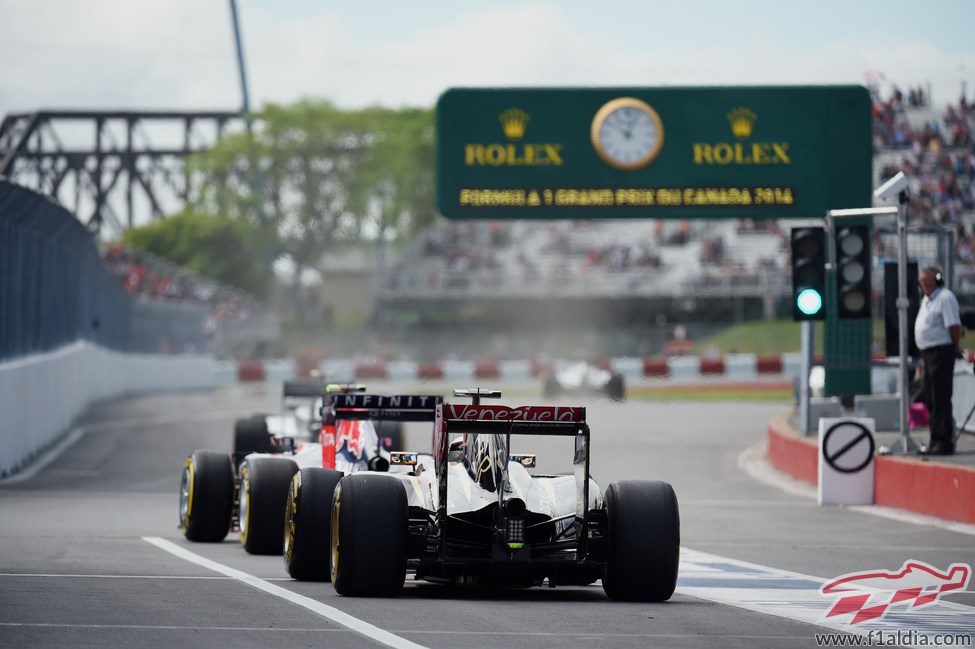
[[561, 634], [167, 627], [49, 456], [329, 612], [48, 574], [754, 462]]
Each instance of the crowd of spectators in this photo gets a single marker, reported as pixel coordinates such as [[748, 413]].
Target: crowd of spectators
[[490, 250], [938, 155], [620, 254], [145, 274], [141, 273]]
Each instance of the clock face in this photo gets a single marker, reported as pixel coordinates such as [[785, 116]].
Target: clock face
[[627, 133]]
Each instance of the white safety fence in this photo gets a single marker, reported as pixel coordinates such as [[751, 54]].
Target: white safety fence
[[42, 394]]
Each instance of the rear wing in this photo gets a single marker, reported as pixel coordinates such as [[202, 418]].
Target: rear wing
[[500, 423], [521, 420], [407, 407], [304, 388]]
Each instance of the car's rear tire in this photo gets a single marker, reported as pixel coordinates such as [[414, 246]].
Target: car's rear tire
[[264, 485], [394, 431], [644, 541], [369, 536], [206, 496], [251, 436], [308, 523], [616, 387]]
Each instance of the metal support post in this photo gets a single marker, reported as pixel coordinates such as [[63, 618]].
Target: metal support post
[[905, 443], [805, 426]]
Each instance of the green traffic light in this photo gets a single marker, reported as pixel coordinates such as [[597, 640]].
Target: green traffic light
[[809, 301]]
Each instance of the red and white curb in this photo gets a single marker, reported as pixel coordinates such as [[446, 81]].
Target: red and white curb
[[733, 366], [940, 490]]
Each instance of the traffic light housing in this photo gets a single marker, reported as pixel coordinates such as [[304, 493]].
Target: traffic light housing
[[853, 288], [808, 273]]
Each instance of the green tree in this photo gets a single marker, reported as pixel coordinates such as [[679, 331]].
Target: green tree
[[229, 250], [311, 175]]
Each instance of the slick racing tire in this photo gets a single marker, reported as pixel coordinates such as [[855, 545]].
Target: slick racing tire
[[264, 485], [251, 436], [616, 387], [206, 496], [308, 523], [394, 431], [369, 536], [644, 541], [551, 387]]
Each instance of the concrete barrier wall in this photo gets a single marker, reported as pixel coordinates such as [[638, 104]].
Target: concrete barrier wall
[[42, 394]]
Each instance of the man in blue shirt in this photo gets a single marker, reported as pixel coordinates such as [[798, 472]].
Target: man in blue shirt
[[938, 332]]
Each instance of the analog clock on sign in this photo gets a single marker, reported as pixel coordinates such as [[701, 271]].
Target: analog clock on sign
[[627, 133]]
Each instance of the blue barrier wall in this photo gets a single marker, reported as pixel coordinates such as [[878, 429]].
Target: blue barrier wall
[[55, 289]]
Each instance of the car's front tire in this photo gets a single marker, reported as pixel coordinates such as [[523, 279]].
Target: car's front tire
[[308, 523], [369, 536], [644, 541], [264, 485], [206, 497], [251, 436]]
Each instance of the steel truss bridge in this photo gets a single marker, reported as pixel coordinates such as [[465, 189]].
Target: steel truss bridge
[[107, 167]]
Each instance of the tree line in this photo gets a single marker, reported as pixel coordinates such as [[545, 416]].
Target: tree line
[[307, 177]]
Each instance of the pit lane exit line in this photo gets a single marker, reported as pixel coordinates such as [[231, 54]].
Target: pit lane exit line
[[796, 596], [329, 612]]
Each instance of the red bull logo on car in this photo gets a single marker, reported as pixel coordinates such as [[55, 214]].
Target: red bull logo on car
[[349, 434], [870, 595]]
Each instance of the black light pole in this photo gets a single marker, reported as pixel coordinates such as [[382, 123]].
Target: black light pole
[[257, 182], [241, 67]]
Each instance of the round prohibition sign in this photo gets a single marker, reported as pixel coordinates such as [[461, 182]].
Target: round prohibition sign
[[861, 438]]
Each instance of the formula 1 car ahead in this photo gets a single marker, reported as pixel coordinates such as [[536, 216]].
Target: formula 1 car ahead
[[583, 379], [308, 512], [479, 517], [219, 493], [297, 422]]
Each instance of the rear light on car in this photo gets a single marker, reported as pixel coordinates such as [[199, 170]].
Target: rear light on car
[[516, 532]]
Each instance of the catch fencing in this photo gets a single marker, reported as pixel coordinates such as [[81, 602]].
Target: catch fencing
[[55, 289]]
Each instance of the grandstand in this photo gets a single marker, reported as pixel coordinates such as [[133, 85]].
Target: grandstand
[[590, 259]]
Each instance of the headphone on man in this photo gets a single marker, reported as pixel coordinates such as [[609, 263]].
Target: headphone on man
[[934, 271]]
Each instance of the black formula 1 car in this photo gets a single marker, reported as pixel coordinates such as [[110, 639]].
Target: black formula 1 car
[[308, 511], [472, 513], [583, 379]]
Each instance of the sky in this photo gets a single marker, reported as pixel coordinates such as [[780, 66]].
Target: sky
[[178, 54]]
